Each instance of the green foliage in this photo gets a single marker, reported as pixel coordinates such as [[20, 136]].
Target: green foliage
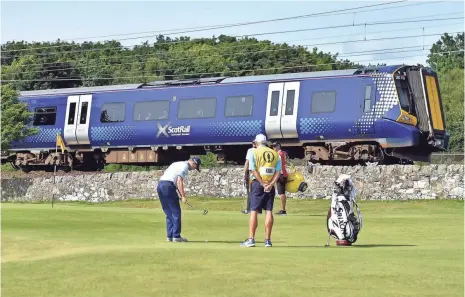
[[209, 160], [7, 168], [34, 66], [451, 88], [129, 168], [15, 118], [447, 61]]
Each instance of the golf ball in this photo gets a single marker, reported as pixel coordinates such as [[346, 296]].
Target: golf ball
[[206, 240]]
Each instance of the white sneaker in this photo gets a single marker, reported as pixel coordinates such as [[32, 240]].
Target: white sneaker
[[180, 239], [169, 239]]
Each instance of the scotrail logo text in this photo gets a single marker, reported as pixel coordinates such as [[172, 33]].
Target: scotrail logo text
[[168, 130]]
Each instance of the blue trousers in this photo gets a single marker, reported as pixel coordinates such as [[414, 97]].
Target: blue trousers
[[169, 200]]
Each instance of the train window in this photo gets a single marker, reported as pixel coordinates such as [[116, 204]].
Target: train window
[[198, 108], [403, 92], [83, 119], [72, 113], [367, 101], [274, 103], [113, 112], [44, 116], [238, 106], [290, 97], [151, 110], [323, 102]]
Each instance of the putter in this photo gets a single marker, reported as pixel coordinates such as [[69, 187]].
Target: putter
[[205, 211], [327, 243]]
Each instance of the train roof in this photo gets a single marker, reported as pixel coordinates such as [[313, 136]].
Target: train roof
[[210, 80], [79, 90]]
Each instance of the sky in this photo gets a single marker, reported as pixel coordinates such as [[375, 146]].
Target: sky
[[80, 20]]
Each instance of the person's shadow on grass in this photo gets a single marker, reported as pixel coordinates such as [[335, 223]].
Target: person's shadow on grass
[[307, 246]]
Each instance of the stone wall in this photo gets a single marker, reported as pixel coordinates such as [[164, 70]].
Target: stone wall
[[372, 183]]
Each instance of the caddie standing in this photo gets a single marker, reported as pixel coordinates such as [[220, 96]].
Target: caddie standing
[[265, 166], [171, 181]]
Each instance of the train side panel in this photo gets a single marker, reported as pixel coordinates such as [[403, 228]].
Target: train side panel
[[110, 119], [49, 119], [328, 109], [179, 116]]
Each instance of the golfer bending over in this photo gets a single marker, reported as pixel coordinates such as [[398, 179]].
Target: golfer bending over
[[172, 179], [265, 166]]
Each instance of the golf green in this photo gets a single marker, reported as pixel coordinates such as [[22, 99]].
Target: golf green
[[412, 248]]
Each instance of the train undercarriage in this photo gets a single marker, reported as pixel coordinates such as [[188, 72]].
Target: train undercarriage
[[344, 153], [335, 154]]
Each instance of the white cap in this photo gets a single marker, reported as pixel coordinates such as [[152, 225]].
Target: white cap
[[260, 138]]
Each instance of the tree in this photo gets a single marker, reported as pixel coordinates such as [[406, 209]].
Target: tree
[[444, 53], [15, 118], [60, 64]]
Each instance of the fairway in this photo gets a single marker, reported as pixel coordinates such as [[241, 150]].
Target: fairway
[[412, 248]]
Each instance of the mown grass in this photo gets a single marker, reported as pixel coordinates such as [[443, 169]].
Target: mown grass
[[411, 248]]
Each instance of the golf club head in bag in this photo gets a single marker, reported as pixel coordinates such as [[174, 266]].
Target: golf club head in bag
[[342, 222]]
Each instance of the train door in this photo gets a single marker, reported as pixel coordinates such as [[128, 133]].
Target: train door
[[76, 131], [432, 98], [367, 100], [281, 110]]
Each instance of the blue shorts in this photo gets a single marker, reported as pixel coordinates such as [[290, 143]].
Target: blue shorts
[[259, 200]]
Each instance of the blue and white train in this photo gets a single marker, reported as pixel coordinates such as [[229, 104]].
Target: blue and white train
[[384, 115]]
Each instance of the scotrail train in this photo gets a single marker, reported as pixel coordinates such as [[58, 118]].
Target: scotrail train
[[380, 115]]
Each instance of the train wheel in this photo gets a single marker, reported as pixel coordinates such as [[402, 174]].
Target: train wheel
[[16, 167]]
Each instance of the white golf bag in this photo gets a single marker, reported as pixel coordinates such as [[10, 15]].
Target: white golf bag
[[342, 224]]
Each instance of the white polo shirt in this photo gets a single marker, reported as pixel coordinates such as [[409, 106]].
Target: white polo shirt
[[249, 154], [176, 169]]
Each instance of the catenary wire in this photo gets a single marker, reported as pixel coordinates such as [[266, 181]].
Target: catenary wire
[[350, 54], [227, 71], [160, 53], [395, 21], [238, 53], [221, 26]]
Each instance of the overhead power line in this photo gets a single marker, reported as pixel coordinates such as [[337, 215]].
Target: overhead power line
[[394, 21], [349, 54], [246, 53], [222, 26], [227, 71], [159, 53]]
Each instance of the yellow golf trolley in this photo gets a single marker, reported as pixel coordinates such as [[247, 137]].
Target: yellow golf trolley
[[295, 180]]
